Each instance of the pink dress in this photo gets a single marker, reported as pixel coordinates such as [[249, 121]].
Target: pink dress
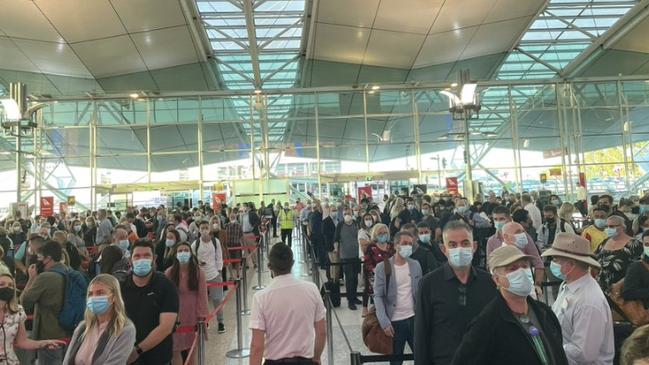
[[193, 305]]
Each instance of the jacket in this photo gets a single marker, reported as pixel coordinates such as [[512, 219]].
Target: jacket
[[110, 350], [45, 299], [386, 302], [497, 337]]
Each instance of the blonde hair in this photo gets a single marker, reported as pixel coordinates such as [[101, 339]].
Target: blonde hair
[[119, 319], [566, 211], [375, 230], [636, 347], [13, 303]]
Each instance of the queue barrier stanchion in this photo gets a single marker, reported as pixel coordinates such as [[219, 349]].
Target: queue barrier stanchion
[[201, 342], [244, 279], [240, 352], [355, 358], [260, 262], [329, 321]]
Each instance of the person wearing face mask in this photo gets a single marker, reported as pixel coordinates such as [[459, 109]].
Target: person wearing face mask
[[90, 232], [555, 201], [411, 214], [431, 221], [379, 249], [16, 235], [396, 282], [164, 250], [304, 218], [43, 295], [151, 301], [209, 254], [113, 262], [522, 217], [463, 213], [192, 294], [75, 236], [551, 227], [364, 240], [449, 298], [286, 218], [329, 234], [14, 334], [616, 254], [426, 251], [346, 247], [514, 234], [513, 328], [581, 307], [106, 335], [636, 281], [533, 210], [594, 233]]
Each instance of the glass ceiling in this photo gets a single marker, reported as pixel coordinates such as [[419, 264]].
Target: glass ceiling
[[257, 45], [558, 35]]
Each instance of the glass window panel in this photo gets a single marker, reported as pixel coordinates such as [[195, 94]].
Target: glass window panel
[[63, 142], [121, 140], [174, 138], [122, 169]]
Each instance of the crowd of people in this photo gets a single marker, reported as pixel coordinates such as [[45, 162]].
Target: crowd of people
[[459, 282], [465, 283], [116, 285]]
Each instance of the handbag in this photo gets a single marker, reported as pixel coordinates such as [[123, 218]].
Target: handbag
[[373, 335], [631, 310]]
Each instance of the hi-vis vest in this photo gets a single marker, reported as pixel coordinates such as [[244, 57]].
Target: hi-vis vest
[[285, 219]]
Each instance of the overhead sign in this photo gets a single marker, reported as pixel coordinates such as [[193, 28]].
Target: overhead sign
[[47, 206], [72, 200], [582, 180], [543, 178], [364, 192], [451, 185], [555, 171]]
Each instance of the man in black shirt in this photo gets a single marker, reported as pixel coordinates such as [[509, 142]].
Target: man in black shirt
[[449, 298], [424, 251], [151, 302]]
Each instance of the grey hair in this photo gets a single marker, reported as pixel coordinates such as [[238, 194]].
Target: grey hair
[[397, 237], [456, 225], [617, 219]]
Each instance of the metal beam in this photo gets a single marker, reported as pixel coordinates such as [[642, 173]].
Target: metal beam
[[538, 60], [252, 41], [623, 26], [571, 25]]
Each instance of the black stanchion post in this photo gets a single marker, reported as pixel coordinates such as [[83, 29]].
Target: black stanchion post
[[330, 335], [201, 342], [240, 352], [260, 263], [355, 358]]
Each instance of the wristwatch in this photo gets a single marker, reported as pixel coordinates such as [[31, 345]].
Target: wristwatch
[[139, 350]]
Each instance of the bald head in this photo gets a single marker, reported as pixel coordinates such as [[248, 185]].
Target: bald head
[[509, 230]]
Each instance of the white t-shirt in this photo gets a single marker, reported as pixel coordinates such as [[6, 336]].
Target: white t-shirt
[[213, 260], [363, 234], [405, 304], [286, 310]]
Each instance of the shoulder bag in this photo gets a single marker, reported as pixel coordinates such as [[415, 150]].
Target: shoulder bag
[[373, 335]]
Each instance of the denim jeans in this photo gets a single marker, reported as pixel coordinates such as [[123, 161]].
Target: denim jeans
[[404, 331], [51, 357], [216, 296]]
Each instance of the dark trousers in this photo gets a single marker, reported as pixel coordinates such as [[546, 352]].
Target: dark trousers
[[273, 222], [287, 236], [320, 251], [291, 361], [350, 270], [404, 331]]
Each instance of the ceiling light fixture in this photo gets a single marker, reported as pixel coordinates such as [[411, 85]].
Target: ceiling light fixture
[[376, 87], [134, 95], [454, 84], [257, 91], [11, 110]]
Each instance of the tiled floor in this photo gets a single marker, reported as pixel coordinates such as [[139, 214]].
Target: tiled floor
[[218, 345]]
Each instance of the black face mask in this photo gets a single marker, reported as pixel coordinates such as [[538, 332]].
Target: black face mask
[[40, 266], [550, 220], [6, 294]]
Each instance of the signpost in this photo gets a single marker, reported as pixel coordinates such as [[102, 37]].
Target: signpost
[[47, 206], [452, 185]]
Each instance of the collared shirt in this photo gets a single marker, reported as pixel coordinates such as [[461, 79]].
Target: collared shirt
[[586, 323], [104, 231], [444, 309], [286, 311]]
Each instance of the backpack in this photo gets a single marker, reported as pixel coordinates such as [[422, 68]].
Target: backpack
[[198, 242], [74, 300]]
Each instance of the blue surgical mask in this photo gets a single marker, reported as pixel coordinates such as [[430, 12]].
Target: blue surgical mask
[[170, 243], [124, 244], [555, 269], [644, 208], [460, 257], [499, 225], [600, 223], [521, 240], [610, 232], [424, 238], [142, 267], [520, 282], [405, 251], [183, 257], [382, 238], [98, 305]]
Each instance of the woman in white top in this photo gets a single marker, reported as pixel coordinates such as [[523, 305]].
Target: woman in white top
[[209, 253], [12, 324], [364, 240]]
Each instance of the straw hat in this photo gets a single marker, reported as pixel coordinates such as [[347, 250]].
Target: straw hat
[[572, 246], [505, 255]]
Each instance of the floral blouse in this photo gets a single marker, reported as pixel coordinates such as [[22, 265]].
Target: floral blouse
[[615, 263], [373, 256], [11, 325]]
